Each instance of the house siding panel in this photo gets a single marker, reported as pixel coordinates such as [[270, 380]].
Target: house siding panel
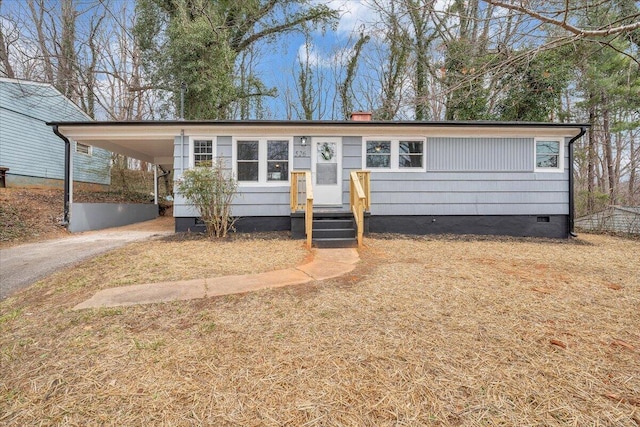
[[250, 201], [510, 190], [479, 154], [301, 155], [465, 176], [29, 148]]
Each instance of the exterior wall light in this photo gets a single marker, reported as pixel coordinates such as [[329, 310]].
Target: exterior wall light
[[303, 141]]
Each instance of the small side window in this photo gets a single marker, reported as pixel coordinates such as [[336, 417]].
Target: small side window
[[548, 155], [202, 152]]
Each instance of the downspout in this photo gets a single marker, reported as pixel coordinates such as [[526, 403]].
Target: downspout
[[67, 175], [181, 150], [572, 212]]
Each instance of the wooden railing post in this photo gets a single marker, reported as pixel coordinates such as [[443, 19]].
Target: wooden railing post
[[307, 205], [359, 199]]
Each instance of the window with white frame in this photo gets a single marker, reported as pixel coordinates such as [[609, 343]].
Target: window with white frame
[[548, 155], [277, 160], [410, 154], [202, 151], [262, 160], [248, 161], [83, 149], [394, 154], [378, 154]]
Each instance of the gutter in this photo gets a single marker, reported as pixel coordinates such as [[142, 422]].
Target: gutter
[[67, 175], [572, 213], [331, 123]]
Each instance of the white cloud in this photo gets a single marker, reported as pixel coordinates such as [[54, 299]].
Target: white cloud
[[353, 14], [308, 53]]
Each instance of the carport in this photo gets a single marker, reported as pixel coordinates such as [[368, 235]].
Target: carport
[[151, 142]]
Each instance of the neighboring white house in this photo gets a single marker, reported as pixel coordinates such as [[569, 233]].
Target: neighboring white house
[[618, 219], [29, 152]]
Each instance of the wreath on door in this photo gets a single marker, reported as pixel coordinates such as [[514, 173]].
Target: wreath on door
[[326, 151]]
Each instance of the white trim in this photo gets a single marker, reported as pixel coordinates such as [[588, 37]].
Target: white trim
[[395, 153], [155, 184], [561, 144], [262, 160], [214, 147]]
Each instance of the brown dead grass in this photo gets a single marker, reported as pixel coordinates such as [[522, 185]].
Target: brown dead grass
[[426, 331]]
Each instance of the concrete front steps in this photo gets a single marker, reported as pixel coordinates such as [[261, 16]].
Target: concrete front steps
[[334, 230]]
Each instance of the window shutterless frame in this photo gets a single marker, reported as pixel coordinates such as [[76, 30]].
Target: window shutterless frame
[[200, 150], [262, 161], [548, 155], [394, 154]]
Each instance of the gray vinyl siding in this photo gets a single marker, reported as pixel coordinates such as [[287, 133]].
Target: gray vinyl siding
[[351, 160], [463, 179], [181, 206], [464, 176], [301, 155], [28, 147], [250, 200], [479, 154]]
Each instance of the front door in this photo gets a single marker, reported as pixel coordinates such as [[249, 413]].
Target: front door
[[326, 171]]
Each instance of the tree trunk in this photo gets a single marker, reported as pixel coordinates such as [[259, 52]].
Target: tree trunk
[[67, 83], [591, 157], [37, 13], [608, 150], [4, 54], [633, 164]]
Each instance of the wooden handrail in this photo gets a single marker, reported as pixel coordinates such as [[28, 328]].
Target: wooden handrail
[[299, 203], [359, 199]]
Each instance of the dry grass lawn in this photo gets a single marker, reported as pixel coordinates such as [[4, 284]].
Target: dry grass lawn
[[426, 331]]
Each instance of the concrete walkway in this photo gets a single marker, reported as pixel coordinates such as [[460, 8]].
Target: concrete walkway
[[326, 264]]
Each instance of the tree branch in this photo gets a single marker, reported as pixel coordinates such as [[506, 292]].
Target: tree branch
[[563, 24]]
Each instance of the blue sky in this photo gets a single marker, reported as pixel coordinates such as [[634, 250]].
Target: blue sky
[[279, 63]]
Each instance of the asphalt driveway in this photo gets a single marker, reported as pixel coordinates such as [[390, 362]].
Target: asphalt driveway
[[21, 266]]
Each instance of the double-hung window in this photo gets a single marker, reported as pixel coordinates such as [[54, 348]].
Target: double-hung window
[[248, 162], [262, 160], [202, 151], [548, 155], [277, 160], [394, 154], [410, 154]]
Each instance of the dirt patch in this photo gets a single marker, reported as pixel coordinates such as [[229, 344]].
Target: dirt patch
[[31, 214], [28, 215], [422, 332]]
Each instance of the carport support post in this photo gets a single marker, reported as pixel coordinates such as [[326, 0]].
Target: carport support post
[[155, 184]]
